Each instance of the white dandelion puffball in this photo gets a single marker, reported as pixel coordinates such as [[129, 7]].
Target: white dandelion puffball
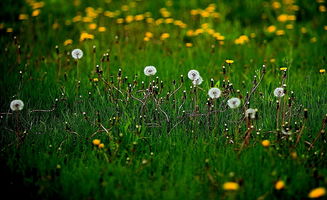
[[214, 93], [286, 132], [279, 92], [77, 54], [150, 70], [197, 81], [16, 105], [193, 75], [234, 102], [250, 113]]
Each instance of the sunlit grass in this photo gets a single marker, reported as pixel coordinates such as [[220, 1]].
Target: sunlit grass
[[163, 99]]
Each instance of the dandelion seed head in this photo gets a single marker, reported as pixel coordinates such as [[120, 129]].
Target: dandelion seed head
[[77, 54], [286, 132], [250, 113], [234, 102], [214, 93], [197, 81], [279, 92], [16, 105], [150, 70], [193, 75]]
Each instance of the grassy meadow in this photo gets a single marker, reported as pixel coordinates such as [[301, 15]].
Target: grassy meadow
[[97, 124]]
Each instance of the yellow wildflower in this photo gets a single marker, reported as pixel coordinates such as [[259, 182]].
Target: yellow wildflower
[[101, 146], [229, 61], [198, 31], [37, 5], [283, 68], [220, 37], [164, 12], [188, 44], [265, 143], [242, 39], [23, 17], [205, 14], [182, 25], [109, 14], [317, 192], [271, 29], [280, 185], [85, 36], [304, 30], [120, 20], [129, 19], [276, 5], [164, 36], [146, 39], [68, 42], [95, 80], [322, 71], [159, 21], [139, 17], [169, 20], [291, 17], [194, 12], [280, 32], [55, 25], [124, 8], [93, 26], [35, 12], [149, 34], [210, 31], [169, 3], [215, 15], [322, 8], [96, 142], [102, 29], [190, 33], [294, 155], [205, 25], [77, 18], [9, 30], [211, 8], [282, 18], [87, 19], [231, 186], [149, 20]]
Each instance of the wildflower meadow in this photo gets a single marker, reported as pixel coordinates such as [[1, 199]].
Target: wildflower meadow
[[163, 99]]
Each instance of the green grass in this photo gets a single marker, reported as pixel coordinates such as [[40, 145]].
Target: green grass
[[166, 153]]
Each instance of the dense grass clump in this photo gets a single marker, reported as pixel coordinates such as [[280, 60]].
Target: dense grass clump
[[111, 109]]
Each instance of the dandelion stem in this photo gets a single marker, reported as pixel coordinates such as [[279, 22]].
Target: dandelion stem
[[77, 70]]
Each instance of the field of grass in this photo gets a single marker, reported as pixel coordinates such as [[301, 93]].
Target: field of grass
[[97, 127]]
